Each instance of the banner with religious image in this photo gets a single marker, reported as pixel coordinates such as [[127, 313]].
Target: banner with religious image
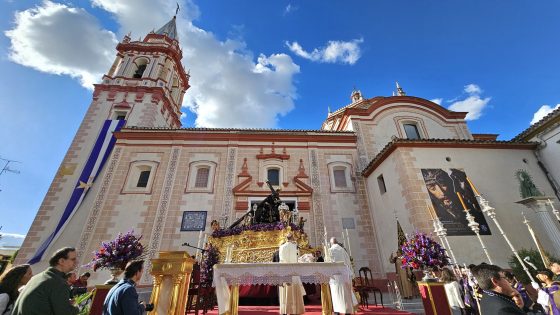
[[443, 186]]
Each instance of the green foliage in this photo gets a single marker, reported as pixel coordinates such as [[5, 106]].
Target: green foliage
[[14, 257], [534, 258], [83, 302]]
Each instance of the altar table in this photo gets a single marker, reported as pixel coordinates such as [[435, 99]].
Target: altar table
[[274, 274]]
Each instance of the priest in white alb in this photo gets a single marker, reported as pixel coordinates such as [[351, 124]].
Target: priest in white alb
[[343, 300], [291, 294]]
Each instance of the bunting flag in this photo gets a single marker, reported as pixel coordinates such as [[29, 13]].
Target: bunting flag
[[540, 248], [401, 238], [94, 164]]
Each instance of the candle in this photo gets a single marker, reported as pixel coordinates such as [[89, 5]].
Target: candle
[[326, 240], [430, 212], [348, 240], [462, 202], [198, 244], [473, 188]]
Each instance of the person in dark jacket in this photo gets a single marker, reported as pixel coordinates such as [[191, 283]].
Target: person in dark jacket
[[122, 299], [498, 297], [48, 293]]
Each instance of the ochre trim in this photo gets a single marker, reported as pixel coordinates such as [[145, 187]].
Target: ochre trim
[[377, 103]]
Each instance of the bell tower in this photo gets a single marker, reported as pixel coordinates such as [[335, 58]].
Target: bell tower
[[143, 88], [147, 82]]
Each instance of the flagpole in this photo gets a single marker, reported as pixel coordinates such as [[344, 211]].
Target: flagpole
[[474, 227], [491, 212]]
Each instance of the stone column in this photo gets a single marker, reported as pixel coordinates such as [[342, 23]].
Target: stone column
[[548, 223]]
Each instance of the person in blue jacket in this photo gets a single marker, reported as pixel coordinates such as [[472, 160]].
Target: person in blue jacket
[[122, 299]]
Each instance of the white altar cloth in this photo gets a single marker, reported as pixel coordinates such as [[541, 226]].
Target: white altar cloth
[[273, 274]]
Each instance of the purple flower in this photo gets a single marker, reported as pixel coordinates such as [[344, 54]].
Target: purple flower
[[117, 252], [421, 251]]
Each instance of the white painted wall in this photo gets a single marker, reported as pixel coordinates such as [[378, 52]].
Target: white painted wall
[[493, 173], [549, 151]]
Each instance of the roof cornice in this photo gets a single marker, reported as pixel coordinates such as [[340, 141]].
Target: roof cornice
[[442, 143], [231, 134], [536, 128]]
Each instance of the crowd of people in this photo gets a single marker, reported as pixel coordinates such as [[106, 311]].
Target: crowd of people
[[52, 291], [488, 289], [478, 289]]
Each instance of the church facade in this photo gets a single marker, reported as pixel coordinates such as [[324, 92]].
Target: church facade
[[132, 167]]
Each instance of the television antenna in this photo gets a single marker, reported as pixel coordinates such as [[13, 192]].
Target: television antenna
[[7, 168]]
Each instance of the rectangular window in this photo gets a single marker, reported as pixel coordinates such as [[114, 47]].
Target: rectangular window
[[411, 131], [340, 178], [381, 183], [202, 177], [273, 176], [143, 179]]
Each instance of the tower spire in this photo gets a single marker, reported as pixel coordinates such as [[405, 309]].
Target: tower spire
[[170, 28], [400, 91]]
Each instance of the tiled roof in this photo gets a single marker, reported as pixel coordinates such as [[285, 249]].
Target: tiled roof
[[537, 125], [236, 130], [364, 104], [435, 142]]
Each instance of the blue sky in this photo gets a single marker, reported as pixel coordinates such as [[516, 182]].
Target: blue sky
[[276, 64]]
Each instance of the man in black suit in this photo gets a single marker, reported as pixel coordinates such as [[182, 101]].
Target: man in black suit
[[498, 297]]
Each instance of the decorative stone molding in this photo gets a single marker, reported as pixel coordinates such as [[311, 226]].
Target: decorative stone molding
[[93, 217], [162, 209]]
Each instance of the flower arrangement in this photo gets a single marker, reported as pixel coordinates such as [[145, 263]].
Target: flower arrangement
[[421, 252], [209, 259], [118, 252], [255, 227]]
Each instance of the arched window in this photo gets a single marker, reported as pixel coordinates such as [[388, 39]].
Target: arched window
[[273, 176], [141, 64], [202, 174], [339, 173], [340, 176], [143, 178], [411, 131], [201, 177], [140, 177]]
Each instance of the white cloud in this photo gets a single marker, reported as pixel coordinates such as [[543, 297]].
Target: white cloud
[[44, 38], [542, 112], [472, 89], [290, 8], [334, 52], [143, 16], [437, 101], [473, 104], [12, 235], [229, 86]]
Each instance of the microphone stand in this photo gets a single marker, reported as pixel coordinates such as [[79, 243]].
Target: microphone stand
[[189, 245]]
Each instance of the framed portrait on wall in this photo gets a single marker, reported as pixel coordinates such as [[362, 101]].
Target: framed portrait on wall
[[443, 185], [193, 221]]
